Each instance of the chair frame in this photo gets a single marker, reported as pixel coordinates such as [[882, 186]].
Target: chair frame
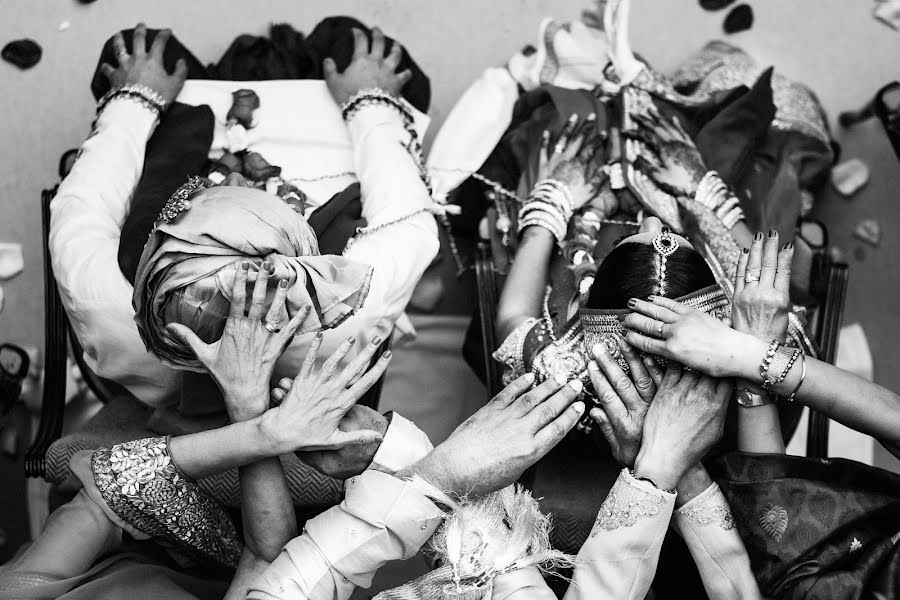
[[58, 333], [829, 296]]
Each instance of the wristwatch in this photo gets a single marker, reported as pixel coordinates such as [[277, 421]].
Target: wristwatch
[[747, 398]]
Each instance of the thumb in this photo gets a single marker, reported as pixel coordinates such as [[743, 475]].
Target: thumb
[[361, 437], [181, 69], [187, 337], [329, 68]]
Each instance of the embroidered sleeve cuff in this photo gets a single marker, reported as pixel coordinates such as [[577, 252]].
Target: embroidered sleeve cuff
[[629, 501], [404, 444], [709, 508], [139, 119]]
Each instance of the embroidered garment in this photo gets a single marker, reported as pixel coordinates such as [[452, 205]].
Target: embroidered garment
[[141, 484]]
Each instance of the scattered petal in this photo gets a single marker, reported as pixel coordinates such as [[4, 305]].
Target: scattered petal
[[739, 19], [243, 103], [714, 4], [64, 25], [11, 261], [850, 176], [23, 53], [869, 231]]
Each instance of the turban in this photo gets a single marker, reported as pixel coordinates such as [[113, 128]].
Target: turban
[[187, 268]]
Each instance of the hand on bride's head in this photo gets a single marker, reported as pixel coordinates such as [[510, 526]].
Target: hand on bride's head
[[241, 362], [367, 69], [310, 414], [676, 332], [145, 67], [572, 158], [762, 299], [493, 447], [672, 160], [624, 398], [684, 421]]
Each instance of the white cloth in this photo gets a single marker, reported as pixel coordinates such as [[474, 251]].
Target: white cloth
[[92, 202]]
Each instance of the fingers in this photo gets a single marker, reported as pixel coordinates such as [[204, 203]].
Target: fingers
[[357, 438], [515, 389], [365, 383], [310, 361], [403, 77], [555, 431], [606, 429], [654, 310], [360, 44], [392, 60], [239, 291], [638, 372], [181, 70], [159, 44], [277, 310], [622, 385], [548, 411], [655, 371], [783, 271], [107, 70], [612, 405], [676, 123], [187, 337], [673, 375], [754, 262], [769, 259], [331, 364], [119, 48], [377, 43], [139, 47], [528, 401], [562, 143], [673, 305], [329, 68], [645, 325], [290, 330], [258, 300], [741, 273], [359, 363], [646, 343]]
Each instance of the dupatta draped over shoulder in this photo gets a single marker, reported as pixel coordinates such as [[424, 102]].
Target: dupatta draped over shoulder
[[187, 269]]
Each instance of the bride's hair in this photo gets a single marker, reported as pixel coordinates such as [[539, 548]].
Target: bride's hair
[[631, 270]]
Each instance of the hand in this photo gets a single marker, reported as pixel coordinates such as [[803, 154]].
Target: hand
[[695, 339], [242, 360], [684, 422], [367, 69], [146, 68], [624, 398], [493, 447], [672, 161], [349, 461], [571, 160], [760, 308], [309, 416]]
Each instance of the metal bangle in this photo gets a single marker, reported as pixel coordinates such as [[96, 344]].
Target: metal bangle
[[802, 377]]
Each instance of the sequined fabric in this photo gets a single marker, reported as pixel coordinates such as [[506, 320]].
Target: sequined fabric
[[141, 484]]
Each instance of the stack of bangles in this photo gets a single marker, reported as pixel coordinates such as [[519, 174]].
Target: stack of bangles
[[370, 97], [135, 92], [549, 206], [776, 365], [715, 195]]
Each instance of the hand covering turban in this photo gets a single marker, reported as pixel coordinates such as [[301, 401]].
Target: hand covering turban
[[187, 269]]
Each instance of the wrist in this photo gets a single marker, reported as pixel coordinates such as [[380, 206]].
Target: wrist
[[653, 465], [438, 472], [694, 482], [245, 407], [271, 434], [752, 351]]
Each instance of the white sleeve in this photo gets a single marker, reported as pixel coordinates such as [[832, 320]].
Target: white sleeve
[[708, 528], [85, 221], [392, 189]]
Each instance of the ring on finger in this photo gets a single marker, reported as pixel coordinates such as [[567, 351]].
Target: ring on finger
[[559, 148], [751, 276], [272, 327], [659, 330]]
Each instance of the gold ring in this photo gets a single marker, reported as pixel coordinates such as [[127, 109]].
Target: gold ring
[[751, 277], [659, 330], [272, 327]]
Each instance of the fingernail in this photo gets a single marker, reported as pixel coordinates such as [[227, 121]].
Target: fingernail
[[245, 265], [283, 284], [596, 413], [529, 377], [651, 298], [758, 236], [560, 379], [578, 407], [386, 355], [592, 366], [319, 335], [632, 303], [576, 385], [592, 116], [745, 250], [267, 265], [599, 348], [789, 246], [772, 233], [351, 340], [376, 340], [573, 117], [623, 317]]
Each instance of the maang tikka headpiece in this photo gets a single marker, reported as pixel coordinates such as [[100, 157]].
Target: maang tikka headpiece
[[665, 245]]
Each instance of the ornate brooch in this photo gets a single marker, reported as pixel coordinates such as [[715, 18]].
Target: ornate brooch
[[178, 202]]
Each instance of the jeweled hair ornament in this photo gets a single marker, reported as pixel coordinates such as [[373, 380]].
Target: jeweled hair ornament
[[178, 202], [665, 245]]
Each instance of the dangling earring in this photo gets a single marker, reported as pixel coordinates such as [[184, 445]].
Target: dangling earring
[[665, 245]]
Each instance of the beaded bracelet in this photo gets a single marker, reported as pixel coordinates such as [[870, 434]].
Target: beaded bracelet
[[135, 92], [766, 363]]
